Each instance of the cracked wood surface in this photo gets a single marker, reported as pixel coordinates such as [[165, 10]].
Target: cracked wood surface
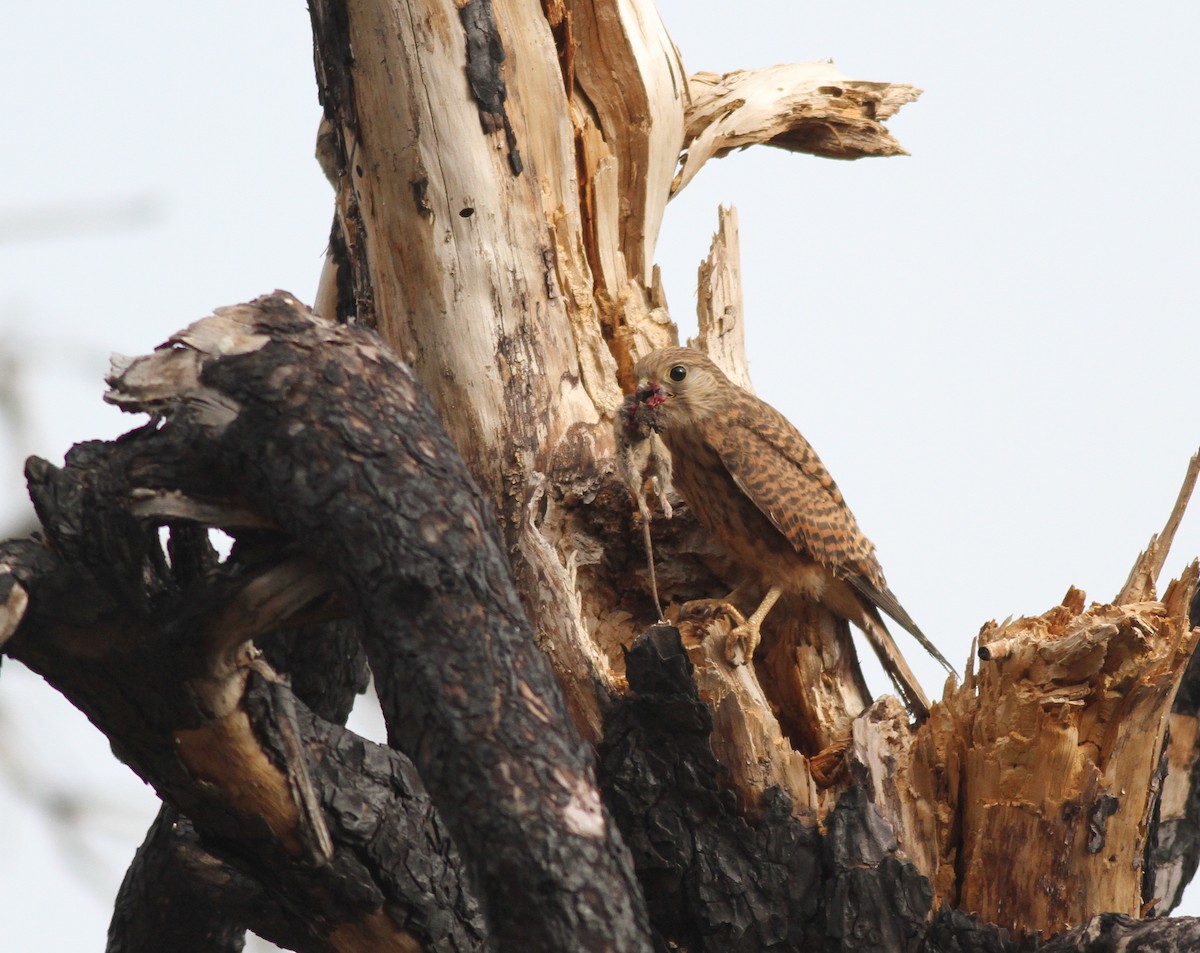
[[521, 293]]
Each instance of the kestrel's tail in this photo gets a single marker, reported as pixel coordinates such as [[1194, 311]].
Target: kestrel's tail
[[893, 662], [846, 602], [886, 600]]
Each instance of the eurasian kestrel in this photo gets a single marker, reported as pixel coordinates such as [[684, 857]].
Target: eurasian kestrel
[[757, 485]]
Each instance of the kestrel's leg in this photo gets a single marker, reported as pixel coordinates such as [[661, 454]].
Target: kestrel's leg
[[744, 638]]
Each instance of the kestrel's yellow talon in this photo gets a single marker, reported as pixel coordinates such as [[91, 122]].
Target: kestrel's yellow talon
[[741, 644], [744, 637], [728, 609]]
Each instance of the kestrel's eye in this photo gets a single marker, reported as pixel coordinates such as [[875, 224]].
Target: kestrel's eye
[[677, 373]]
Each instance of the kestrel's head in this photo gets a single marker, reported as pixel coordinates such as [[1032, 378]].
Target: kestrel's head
[[678, 385]]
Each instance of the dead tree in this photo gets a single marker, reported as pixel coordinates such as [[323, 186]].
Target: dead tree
[[562, 772]]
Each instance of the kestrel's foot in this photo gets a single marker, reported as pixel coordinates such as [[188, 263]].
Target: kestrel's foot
[[744, 633], [744, 637], [742, 640], [710, 611]]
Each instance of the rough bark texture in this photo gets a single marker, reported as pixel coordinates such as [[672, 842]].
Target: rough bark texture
[[500, 171], [324, 432], [175, 894]]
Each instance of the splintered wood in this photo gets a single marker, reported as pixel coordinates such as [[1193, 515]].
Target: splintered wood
[[801, 107], [719, 306], [1049, 761], [747, 738]]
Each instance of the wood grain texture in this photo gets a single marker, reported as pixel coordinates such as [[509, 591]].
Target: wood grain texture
[[801, 107], [1056, 745]]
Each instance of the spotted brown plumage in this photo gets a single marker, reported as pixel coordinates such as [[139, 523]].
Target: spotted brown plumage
[[756, 484]]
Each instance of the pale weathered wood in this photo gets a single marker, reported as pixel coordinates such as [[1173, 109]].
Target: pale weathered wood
[[628, 100], [1145, 572], [500, 234], [719, 304], [884, 753], [802, 107], [489, 263]]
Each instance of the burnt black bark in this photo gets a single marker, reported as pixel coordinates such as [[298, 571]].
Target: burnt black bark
[[127, 668], [1113, 931], [372, 488], [715, 882], [485, 62], [175, 894], [333, 440], [333, 61], [1175, 844], [712, 881]]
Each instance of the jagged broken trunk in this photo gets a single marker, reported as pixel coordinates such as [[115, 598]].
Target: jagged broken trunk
[[454, 519]]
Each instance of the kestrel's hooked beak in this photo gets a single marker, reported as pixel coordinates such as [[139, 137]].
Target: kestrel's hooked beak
[[651, 394]]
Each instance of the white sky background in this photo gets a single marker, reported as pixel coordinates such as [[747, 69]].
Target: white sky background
[[991, 343]]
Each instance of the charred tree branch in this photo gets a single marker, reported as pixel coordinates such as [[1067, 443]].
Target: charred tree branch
[[128, 669], [325, 433]]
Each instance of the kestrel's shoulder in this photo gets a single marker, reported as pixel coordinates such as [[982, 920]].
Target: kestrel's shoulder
[[772, 463]]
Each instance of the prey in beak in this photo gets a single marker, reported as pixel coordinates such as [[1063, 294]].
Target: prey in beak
[[643, 461], [640, 414], [651, 394]]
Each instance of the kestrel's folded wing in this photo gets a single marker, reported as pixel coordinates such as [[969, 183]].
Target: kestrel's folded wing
[[775, 467]]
